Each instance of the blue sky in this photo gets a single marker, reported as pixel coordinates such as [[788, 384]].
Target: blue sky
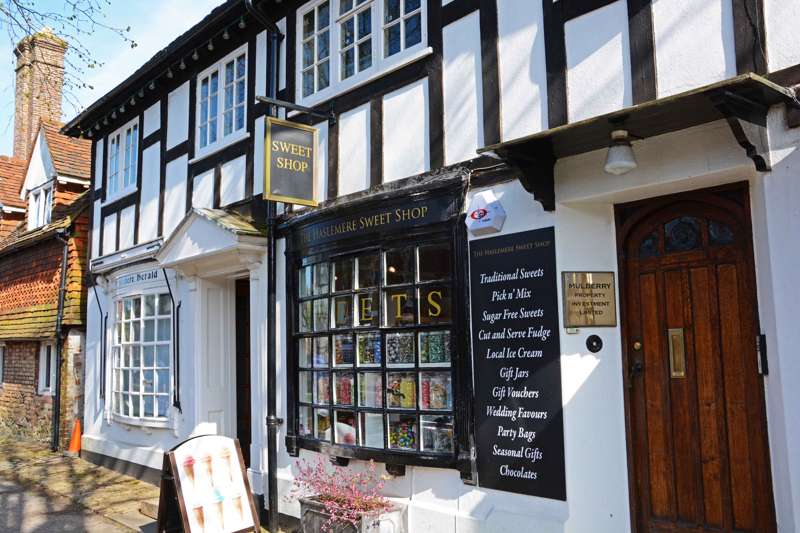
[[154, 24]]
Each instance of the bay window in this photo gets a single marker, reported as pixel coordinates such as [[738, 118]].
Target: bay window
[[123, 160], [141, 352], [222, 102]]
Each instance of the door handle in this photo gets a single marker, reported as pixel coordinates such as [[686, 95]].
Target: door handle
[[677, 353], [636, 368]]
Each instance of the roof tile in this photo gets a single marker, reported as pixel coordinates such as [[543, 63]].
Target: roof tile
[[12, 174], [71, 157]]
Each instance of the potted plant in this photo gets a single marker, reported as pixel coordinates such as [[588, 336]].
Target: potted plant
[[334, 499]]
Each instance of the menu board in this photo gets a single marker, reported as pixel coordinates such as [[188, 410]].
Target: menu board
[[516, 354], [210, 486]]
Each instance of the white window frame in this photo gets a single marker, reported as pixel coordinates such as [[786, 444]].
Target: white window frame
[[47, 380], [222, 140], [40, 206], [124, 158], [380, 66], [117, 349]]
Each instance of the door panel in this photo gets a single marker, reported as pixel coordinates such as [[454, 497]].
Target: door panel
[[697, 436]]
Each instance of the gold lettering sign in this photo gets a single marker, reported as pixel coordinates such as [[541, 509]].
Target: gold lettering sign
[[589, 299], [289, 162]]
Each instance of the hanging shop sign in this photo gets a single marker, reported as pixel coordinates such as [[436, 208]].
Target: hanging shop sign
[[485, 214], [290, 165], [204, 487], [516, 354], [589, 299]]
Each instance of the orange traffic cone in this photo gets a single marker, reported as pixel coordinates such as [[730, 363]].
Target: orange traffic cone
[[75, 439]]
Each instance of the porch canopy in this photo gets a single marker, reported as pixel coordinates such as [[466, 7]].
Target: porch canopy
[[743, 101], [213, 242]]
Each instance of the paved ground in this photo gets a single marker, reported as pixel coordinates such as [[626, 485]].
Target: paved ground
[[30, 511]]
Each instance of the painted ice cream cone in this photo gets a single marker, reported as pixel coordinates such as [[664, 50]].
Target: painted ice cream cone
[[205, 465], [216, 506], [227, 463], [199, 516], [188, 468], [237, 506]]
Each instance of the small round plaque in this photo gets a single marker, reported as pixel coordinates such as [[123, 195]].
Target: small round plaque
[[594, 343]]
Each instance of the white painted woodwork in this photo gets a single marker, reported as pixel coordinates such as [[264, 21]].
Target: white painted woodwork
[[261, 64], [693, 43], [110, 234], [406, 132], [282, 61], [232, 184], [174, 194], [98, 165], [96, 229], [463, 89], [149, 195], [598, 62], [258, 156], [178, 116], [152, 119], [321, 192], [203, 189], [354, 150], [521, 64], [126, 227], [783, 40]]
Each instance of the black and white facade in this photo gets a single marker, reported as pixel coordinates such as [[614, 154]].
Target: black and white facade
[[433, 103]]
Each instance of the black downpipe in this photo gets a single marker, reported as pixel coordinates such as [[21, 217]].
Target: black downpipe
[[176, 345], [62, 236], [103, 324], [272, 419]]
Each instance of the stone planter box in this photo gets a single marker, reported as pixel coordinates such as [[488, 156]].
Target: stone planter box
[[313, 517]]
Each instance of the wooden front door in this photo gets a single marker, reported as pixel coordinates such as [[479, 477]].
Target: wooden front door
[[698, 447]]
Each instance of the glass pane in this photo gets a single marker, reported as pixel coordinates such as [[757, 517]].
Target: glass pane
[[369, 270], [164, 304], [402, 432], [719, 233], [392, 10], [322, 424], [343, 311], [306, 387], [227, 127], [364, 23], [399, 306], [162, 356], [649, 246], [324, 15], [136, 360], [148, 406], [434, 261], [434, 305], [369, 349], [435, 390], [321, 282], [343, 350], [137, 308], [370, 389], [128, 309], [437, 434], [240, 66], [434, 347], [305, 316], [229, 72], [342, 388], [322, 387], [149, 330], [305, 422], [371, 430], [163, 329], [348, 62], [323, 46], [347, 32], [135, 402], [401, 390], [308, 24], [304, 281], [399, 266], [391, 40], [682, 235], [136, 380], [149, 381], [364, 55], [162, 376], [343, 274], [413, 30], [304, 352], [163, 405], [399, 349], [345, 427], [126, 380], [321, 319], [367, 305], [136, 331], [411, 5], [212, 128], [149, 356], [321, 352], [323, 75], [345, 6], [308, 82]]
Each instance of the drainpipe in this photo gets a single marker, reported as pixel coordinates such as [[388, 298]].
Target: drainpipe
[[272, 420], [63, 236]]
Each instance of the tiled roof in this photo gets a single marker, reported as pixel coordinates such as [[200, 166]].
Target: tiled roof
[[12, 174], [71, 157], [22, 237]]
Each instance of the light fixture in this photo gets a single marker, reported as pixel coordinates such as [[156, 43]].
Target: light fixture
[[195, 55], [620, 158], [141, 93], [133, 100], [113, 115], [89, 133], [169, 73], [210, 46], [122, 108], [152, 86], [242, 25], [226, 35], [105, 121], [182, 66], [97, 126]]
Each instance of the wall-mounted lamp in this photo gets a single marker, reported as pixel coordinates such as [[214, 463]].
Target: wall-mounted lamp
[[620, 158]]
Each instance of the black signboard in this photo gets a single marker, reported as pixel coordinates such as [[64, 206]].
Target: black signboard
[[290, 162], [516, 353]]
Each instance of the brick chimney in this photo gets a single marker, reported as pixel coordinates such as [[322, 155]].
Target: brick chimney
[[39, 86]]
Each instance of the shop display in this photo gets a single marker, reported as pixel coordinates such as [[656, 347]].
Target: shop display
[[306, 387], [399, 349], [367, 306], [305, 316], [305, 422], [434, 347], [322, 391], [321, 321], [343, 389], [343, 274], [401, 390], [345, 427], [435, 390], [437, 434], [403, 432], [304, 351], [343, 350], [343, 311], [322, 424], [321, 352], [369, 349], [370, 389]]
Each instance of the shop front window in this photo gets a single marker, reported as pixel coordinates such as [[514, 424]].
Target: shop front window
[[141, 379], [374, 343]]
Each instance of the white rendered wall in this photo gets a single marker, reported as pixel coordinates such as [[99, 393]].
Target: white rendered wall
[[783, 39], [174, 194], [322, 161], [98, 164], [406, 137], [178, 116], [354, 150], [693, 43], [258, 156], [232, 180], [126, 227], [110, 234], [462, 89], [149, 195], [261, 64], [521, 62], [152, 119], [598, 62], [96, 224], [203, 189]]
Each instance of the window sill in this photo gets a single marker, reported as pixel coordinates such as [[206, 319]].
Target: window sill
[[119, 196], [387, 66], [161, 423], [209, 151]]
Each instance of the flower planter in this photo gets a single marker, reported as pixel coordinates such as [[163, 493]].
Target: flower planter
[[314, 517]]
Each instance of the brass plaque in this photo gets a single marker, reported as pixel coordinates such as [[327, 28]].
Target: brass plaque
[[589, 299]]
